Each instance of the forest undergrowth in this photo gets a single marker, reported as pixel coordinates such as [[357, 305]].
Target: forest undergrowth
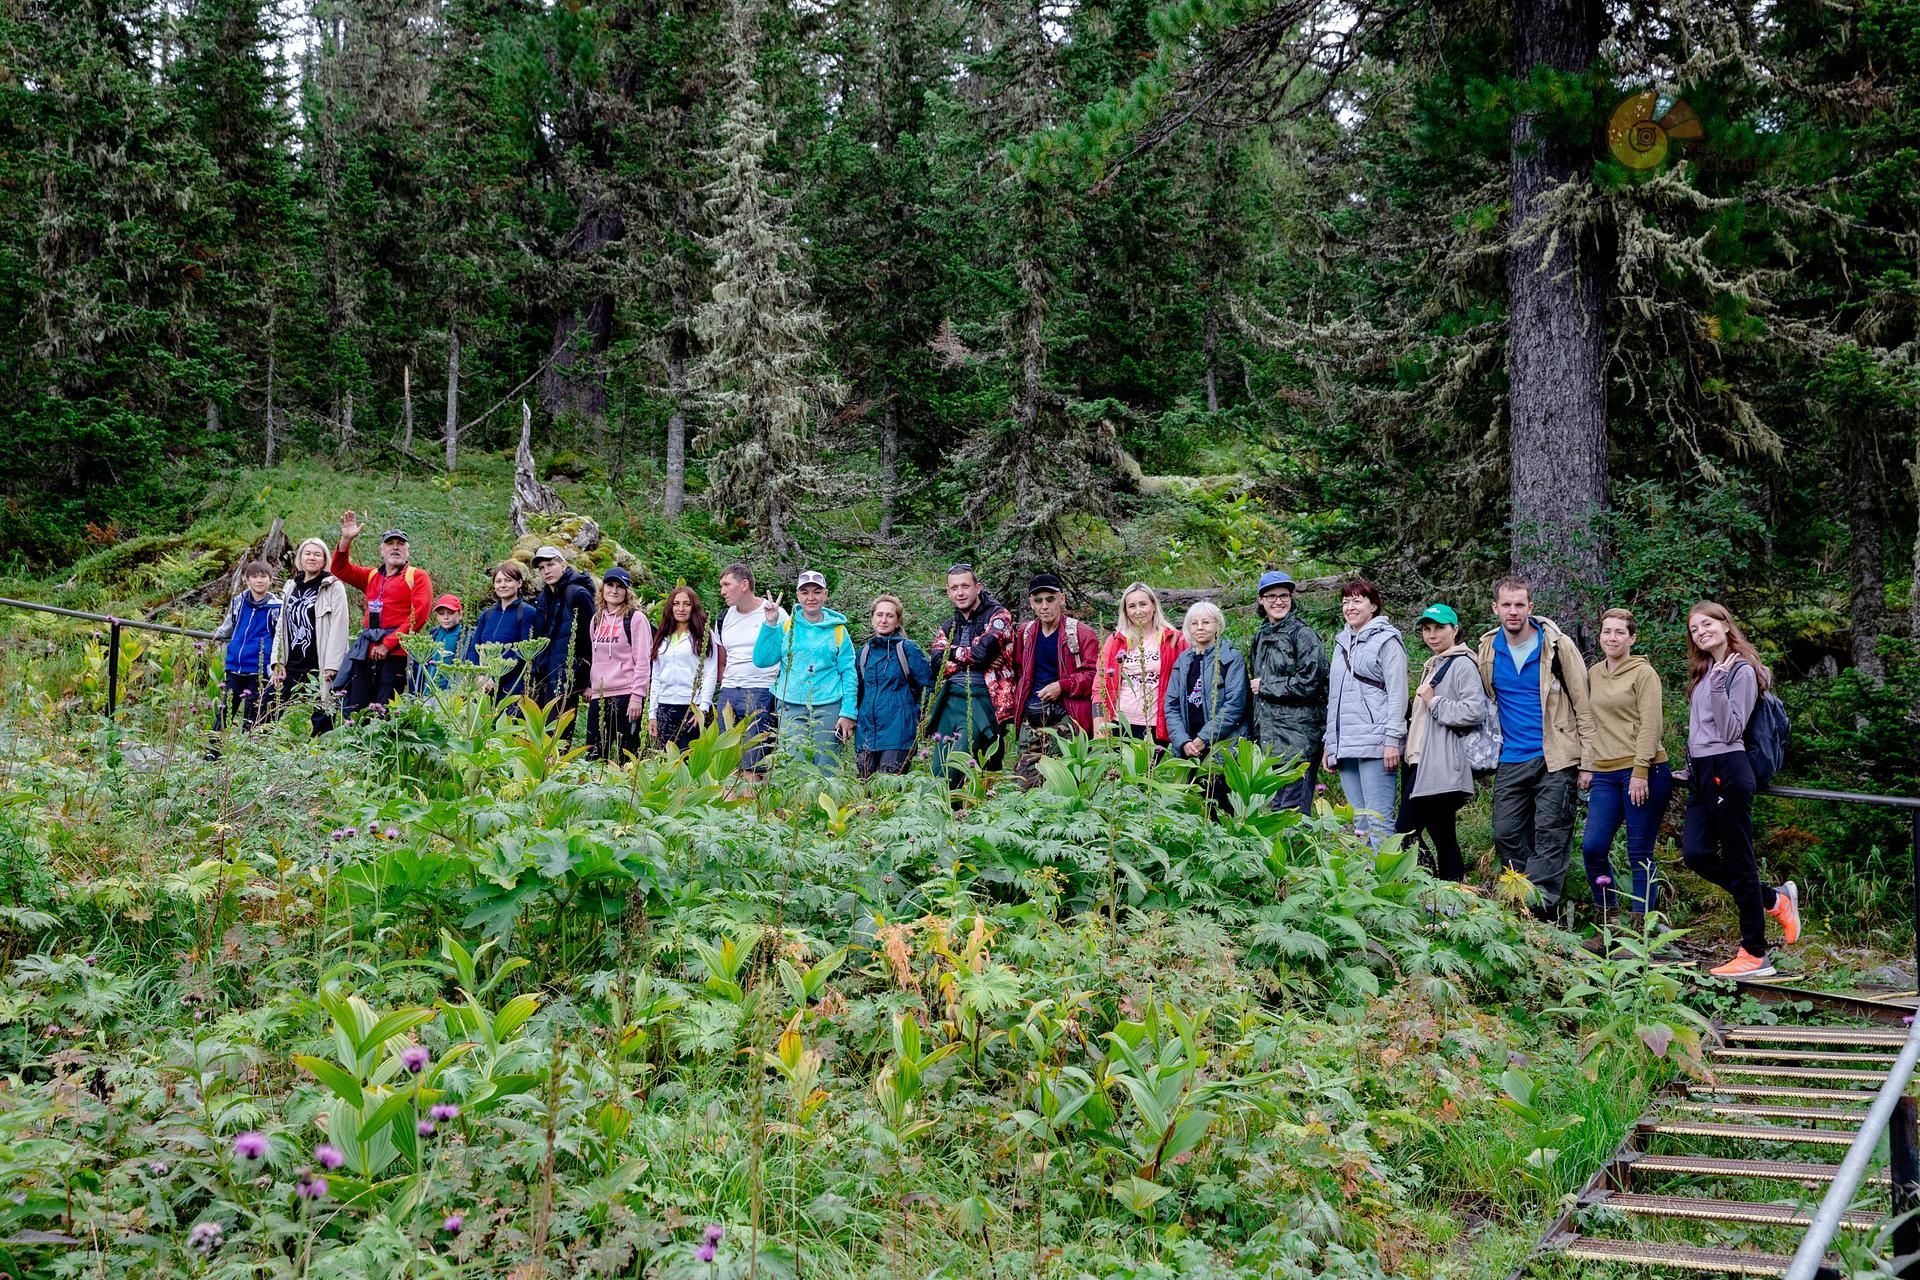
[[437, 996]]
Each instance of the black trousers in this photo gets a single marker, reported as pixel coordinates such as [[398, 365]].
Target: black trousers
[[675, 724], [610, 734], [895, 760], [303, 680], [244, 699], [1717, 840], [1431, 820], [375, 683]]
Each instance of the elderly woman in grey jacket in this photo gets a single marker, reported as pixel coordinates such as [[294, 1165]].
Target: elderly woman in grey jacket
[[1435, 776], [1367, 709], [1206, 698]]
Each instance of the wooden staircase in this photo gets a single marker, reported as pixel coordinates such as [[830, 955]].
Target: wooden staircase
[[1724, 1178]]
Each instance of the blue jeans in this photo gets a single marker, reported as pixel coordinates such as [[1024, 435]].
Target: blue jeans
[[1608, 808], [809, 733], [1371, 791], [749, 707]]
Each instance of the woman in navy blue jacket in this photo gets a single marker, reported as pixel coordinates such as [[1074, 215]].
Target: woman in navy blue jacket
[[894, 676], [508, 620]]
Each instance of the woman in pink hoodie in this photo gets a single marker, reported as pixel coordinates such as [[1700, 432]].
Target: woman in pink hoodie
[[617, 690]]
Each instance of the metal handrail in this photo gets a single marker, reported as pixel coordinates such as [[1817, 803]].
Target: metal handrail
[[1892, 1113], [113, 637]]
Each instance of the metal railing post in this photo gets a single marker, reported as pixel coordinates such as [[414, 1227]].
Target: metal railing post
[[1916, 904], [113, 667], [1903, 1167]]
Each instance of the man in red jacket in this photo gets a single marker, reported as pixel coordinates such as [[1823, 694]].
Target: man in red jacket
[[398, 598], [1058, 656]]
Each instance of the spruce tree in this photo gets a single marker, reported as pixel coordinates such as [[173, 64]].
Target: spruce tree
[[762, 372]]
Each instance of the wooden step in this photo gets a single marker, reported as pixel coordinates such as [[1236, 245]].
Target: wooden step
[[1803, 1055], [1861, 1037], [1777, 1091], [1841, 1115], [1727, 1167], [1687, 1257], [1834, 1074], [1709, 1210], [1750, 1132]]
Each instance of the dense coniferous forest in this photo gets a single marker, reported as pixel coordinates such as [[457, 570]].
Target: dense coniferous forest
[[1443, 284]]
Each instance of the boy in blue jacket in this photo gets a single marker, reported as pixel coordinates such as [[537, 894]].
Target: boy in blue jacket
[[248, 630]]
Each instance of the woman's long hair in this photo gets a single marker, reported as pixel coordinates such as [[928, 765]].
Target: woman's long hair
[[1136, 638], [1699, 661], [696, 622], [600, 602]]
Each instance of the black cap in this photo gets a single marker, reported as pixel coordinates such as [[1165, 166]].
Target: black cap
[[619, 575], [393, 535], [1045, 582]]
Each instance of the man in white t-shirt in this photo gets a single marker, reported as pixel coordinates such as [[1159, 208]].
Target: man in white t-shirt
[[746, 690]]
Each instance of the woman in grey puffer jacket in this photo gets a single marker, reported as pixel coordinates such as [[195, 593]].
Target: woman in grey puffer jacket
[[1367, 709]]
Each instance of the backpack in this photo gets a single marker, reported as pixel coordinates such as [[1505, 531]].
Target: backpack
[[1482, 742], [1768, 730], [899, 651]]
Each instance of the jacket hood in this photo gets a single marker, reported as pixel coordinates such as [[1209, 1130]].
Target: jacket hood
[[1459, 650], [828, 618], [571, 578], [987, 603], [1374, 630], [1628, 665]]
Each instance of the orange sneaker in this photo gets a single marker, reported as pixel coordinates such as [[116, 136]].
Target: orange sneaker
[[1744, 966], [1786, 909]]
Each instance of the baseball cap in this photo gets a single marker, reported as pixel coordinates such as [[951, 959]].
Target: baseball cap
[[1044, 582], [448, 601], [619, 575], [393, 535], [1442, 614], [547, 553], [1273, 578], [812, 578]]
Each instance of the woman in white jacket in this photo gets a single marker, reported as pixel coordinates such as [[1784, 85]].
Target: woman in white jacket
[[310, 638]]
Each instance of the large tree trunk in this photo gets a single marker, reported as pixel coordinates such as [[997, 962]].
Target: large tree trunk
[[270, 434], [1210, 343], [576, 381], [676, 496], [406, 409], [1868, 605], [1556, 354], [889, 462], [452, 437]]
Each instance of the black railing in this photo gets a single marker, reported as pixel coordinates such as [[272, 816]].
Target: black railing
[[114, 624]]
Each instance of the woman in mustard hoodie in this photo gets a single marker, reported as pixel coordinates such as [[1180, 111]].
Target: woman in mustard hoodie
[[1625, 772]]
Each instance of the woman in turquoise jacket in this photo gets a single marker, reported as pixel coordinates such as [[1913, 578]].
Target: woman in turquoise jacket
[[816, 692]]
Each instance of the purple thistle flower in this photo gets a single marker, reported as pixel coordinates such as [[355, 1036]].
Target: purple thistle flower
[[704, 1253], [337, 833], [424, 1128], [314, 1188], [158, 1168], [251, 1145], [415, 1058], [205, 1237], [443, 1111], [350, 832], [714, 1232], [328, 1156], [392, 833], [453, 1224], [1604, 881]]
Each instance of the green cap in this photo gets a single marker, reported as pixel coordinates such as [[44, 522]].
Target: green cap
[[1441, 614]]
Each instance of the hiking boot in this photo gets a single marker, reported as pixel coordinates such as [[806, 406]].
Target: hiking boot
[[1744, 966], [1786, 909]]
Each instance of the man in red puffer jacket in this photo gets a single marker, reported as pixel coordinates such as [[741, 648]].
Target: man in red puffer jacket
[[398, 599]]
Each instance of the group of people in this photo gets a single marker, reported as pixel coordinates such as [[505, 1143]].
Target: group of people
[[1523, 704]]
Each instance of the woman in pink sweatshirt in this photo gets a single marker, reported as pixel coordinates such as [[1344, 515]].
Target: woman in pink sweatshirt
[[617, 691]]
